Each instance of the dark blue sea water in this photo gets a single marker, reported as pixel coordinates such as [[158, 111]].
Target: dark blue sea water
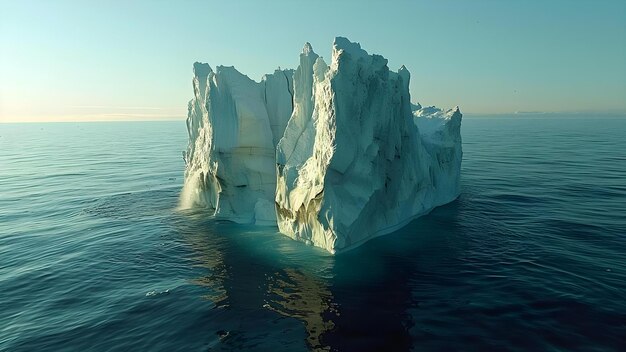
[[94, 256]]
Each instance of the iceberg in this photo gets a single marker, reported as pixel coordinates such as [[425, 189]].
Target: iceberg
[[334, 155]]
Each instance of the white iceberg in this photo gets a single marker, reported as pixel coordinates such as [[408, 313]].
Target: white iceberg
[[334, 155]]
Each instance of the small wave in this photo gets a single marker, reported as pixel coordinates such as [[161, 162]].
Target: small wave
[[157, 293], [132, 205]]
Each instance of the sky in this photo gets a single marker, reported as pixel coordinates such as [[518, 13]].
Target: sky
[[132, 60]]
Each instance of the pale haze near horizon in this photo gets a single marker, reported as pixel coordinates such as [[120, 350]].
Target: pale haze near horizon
[[79, 61]]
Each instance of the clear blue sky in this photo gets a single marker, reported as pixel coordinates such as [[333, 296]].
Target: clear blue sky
[[70, 60]]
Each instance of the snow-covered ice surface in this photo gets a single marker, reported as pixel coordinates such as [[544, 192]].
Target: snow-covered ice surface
[[333, 154]]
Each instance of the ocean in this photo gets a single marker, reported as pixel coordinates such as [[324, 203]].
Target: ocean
[[94, 255]]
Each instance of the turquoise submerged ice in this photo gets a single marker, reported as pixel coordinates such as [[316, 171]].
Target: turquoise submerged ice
[[333, 154]]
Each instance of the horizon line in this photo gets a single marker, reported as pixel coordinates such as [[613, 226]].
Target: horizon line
[[131, 118]]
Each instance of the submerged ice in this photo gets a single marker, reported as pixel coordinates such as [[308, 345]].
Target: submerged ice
[[332, 154]]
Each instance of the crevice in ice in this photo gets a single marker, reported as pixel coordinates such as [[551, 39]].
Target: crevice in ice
[[290, 89]]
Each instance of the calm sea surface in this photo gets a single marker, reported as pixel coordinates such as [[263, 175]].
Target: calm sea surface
[[95, 257]]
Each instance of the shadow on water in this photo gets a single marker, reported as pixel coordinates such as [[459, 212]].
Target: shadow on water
[[261, 282]]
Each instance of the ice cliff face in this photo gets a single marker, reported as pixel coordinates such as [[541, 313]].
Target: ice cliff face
[[334, 155], [234, 124]]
